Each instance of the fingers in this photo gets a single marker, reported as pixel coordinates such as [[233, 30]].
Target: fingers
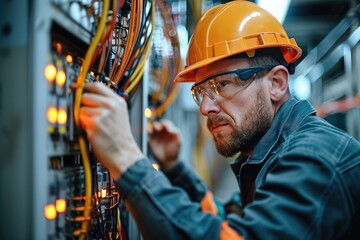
[[169, 126], [160, 129], [87, 117], [89, 111], [98, 95], [99, 103], [161, 125], [93, 100], [157, 126], [99, 88], [165, 126], [154, 128]]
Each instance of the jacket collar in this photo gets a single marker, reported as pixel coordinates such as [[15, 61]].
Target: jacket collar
[[286, 120]]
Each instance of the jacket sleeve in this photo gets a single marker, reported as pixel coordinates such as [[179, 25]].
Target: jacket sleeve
[[164, 211], [180, 176]]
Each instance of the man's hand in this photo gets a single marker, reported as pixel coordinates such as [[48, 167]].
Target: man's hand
[[164, 143], [105, 119]]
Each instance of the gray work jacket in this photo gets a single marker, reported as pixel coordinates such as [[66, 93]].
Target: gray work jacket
[[302, 181]]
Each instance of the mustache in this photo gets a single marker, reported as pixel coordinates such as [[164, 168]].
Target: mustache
[[211, 121]]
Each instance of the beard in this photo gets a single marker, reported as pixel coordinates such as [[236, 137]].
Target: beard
[[256, 122]]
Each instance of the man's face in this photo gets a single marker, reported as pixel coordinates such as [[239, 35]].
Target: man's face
[[238, 122]]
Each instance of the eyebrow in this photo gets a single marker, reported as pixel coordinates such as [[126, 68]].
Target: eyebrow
[[215, 75], [250, 71]]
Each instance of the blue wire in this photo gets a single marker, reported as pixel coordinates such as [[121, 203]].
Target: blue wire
[[122, 94]]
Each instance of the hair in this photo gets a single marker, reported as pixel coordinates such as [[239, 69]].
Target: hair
[[267, 56], [270, 56], [262, 61]]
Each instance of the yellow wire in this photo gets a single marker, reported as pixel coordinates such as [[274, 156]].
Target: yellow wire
[[109, 28], [119, 224], [135, 80], [77, 103], [87, 171], [168, 101], [86, 64]]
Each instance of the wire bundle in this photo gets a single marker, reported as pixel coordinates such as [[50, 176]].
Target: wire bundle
[[117, 55], [131, 45], [166, 62]]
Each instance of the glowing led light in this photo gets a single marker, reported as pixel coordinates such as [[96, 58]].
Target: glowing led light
[[103, 192], [50, 211], [156, 166], [147, 112], [69, 58], [60, 205], [62, 116], [60, 78], [52, 114], [58, 48], [50, 72]]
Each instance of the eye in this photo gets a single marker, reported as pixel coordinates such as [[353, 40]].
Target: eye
[[222, 83], [225, 81]]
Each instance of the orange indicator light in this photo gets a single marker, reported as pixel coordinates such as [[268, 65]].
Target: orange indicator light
[[52, 114], [58, 48], [62, 116], [60, 205], [60, 78], [69, 58], [50, 72], [50, 211], [103, 192]]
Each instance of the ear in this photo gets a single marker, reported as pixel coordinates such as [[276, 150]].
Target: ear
[[279, 77]]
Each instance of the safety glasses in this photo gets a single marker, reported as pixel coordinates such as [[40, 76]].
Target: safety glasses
[[226, 84]]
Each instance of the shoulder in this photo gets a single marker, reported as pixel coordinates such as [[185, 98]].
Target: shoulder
[[317, 139]]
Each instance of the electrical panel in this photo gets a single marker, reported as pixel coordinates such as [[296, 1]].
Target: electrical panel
[[64, 193]]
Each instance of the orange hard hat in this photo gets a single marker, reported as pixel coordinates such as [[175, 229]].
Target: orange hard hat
[[233, 28]]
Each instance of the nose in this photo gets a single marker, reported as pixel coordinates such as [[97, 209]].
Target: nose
[[209, 106]]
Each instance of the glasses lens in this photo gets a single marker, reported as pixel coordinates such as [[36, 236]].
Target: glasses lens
[[223, 85], [197, 94], [226, 84]]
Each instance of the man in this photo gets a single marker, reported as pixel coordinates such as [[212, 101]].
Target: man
[[298, 175]]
